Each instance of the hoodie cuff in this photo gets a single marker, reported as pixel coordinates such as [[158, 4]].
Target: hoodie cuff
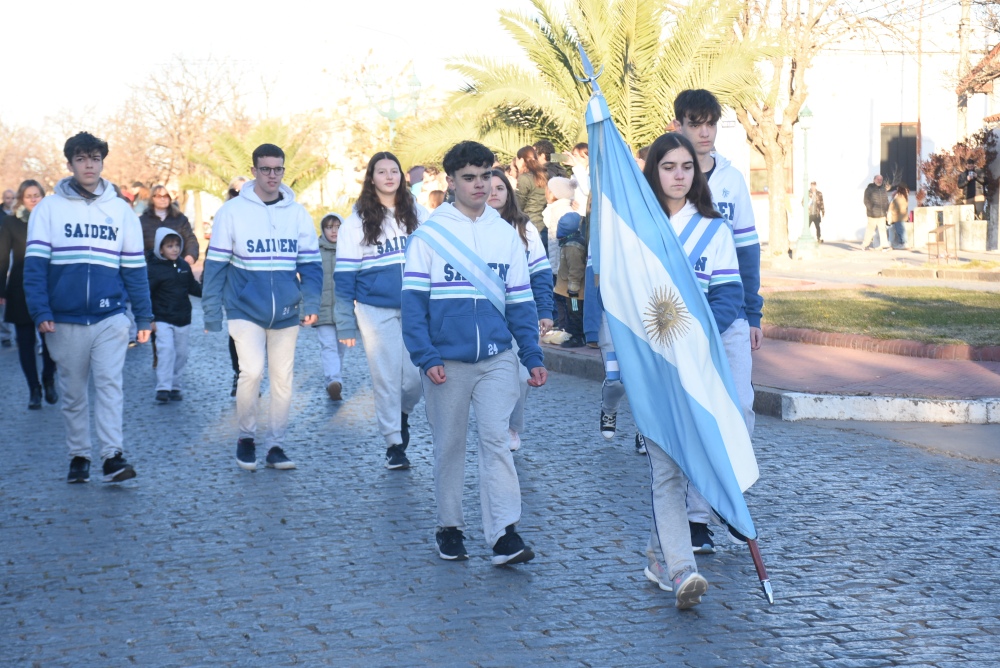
[[533, 361], [435, 361], [45, 317], [213, 325], [142, 324]]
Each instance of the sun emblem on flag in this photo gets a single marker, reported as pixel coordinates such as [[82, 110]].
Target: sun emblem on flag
[[667, 319]]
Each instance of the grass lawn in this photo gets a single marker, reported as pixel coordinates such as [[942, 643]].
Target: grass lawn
[[932, 315]]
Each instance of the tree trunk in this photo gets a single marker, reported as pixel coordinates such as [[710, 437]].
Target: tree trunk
[[777, 199]]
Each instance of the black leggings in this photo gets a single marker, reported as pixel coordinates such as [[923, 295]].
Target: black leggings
[[27, 354]]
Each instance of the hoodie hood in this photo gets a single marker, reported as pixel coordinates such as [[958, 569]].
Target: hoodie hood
[[721, 162], [104, 193], [161, 234], [323, 242], [447, 211], [287, 195]]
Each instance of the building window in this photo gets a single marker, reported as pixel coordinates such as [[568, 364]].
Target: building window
[[758, 174], [899, 154]]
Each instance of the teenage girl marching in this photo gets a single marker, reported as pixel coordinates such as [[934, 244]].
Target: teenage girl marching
[[369, 284], [680, 186], [540, 272]]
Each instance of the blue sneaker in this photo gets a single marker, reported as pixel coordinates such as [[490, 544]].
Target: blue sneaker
[[276, 459], [246, 454]]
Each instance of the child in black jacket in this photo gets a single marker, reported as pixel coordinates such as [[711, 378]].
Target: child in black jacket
[[170, 283]]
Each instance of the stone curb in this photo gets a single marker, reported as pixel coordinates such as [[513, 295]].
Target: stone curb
[[944, 274], [887, 346], [790, 406]]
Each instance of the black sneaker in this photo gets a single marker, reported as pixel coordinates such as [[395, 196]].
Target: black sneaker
[[51, 396], [404, 429], [276, 459], [175, 395], [79, 470], [116, 469], [451, 544], [510, 549], [573, 342], [246, 454], [162, 396], [640, 444], [609, 425], [395, 458], [35, 402], [701, 538], [236, 381]]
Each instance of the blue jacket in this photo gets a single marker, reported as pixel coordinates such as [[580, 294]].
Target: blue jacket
[[370, 274], [82, 256], [446, 318], [257, 255], [541, 274]]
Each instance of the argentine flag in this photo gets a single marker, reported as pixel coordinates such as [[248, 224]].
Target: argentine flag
[[669, 351]]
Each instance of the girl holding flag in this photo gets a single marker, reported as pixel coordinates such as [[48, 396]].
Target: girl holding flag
[[676, 179], [540, 272], [369, 284]]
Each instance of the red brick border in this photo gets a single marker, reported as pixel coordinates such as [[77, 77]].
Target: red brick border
[[887, 346]]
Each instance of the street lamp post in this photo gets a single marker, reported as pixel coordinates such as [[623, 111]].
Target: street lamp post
[[806, 248], [391, 113]]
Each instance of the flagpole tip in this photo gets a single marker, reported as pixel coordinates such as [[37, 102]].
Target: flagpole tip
[[766, 585]]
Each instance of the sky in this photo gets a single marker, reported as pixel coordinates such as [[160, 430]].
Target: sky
[[86, 66]]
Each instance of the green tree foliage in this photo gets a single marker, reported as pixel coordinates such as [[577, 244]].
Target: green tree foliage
[[649, 50], [231, 156]]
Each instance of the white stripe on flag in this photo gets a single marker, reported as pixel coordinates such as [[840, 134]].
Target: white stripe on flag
[[621, 249]]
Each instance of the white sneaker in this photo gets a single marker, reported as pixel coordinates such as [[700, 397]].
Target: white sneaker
[[515, 440], [688, 589], [656, 574]]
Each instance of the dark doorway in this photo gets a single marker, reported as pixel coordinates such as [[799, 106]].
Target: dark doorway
[[899, 154]]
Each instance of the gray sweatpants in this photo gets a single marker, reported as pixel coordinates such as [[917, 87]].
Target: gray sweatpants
[[490, 386], [669, 537], [395, 381], [252, 341], [172, 346], [82, 350], [736, 341]]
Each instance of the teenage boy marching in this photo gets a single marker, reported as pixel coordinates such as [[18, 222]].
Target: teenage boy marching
[[466, 294], [697, 114], [84, 252], [262, 241]]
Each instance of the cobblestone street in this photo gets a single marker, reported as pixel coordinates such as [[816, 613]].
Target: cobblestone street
[[880, 554]]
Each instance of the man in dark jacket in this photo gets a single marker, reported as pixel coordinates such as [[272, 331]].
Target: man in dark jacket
[[877, 206]]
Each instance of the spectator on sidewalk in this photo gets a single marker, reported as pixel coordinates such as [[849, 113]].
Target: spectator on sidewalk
[[814, 200], [544, 149], [530, 192], [899, 212], [13, 238], [262, 243], [9, 203], [572, 270], [877, 206], [84, 251], [161, 211], [140, 197], [171, 281]]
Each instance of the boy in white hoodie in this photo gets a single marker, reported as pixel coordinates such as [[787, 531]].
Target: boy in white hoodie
[[697, 114], [466, 294], [262, 242]]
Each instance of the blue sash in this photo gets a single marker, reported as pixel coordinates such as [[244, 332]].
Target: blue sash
[[470, 265]]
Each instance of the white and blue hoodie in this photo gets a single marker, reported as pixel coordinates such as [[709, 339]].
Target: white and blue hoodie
[[446, 318], [370, 274], [541, 273], [83, 256], [717, 269], [732, 199], [253, 265]]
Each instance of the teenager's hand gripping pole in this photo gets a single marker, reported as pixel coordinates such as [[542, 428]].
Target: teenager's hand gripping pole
[[758, 563]]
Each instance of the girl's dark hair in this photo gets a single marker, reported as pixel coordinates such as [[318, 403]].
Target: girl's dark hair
[[330, 217], [699, 195], [511, 212], [901, 189], [24, 186], [531, 164], [371, 210]]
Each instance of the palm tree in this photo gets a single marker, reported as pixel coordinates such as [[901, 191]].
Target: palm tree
[[649, 50], [231, 156]]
